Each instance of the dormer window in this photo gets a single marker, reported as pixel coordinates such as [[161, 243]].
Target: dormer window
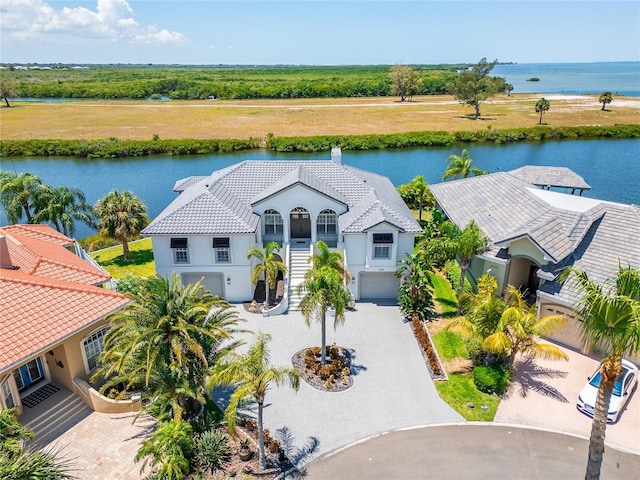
[[180, 250], [382, 244]]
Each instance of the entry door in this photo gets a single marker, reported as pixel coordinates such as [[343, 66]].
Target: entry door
[[28, 374], [300, 222]]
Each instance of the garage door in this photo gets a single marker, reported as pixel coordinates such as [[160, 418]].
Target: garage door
[[378, 285], [212, 281]]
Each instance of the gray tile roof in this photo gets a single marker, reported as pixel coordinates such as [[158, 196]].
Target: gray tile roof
[[184, 183], [542, 176], [222, 202], [591, 234]]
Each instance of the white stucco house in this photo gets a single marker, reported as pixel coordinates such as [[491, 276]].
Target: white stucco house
[[208, 229]]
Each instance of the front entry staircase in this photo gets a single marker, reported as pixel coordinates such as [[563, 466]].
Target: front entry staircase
[[298, 266]]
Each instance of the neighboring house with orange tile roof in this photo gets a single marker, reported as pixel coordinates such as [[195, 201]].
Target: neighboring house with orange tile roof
[[53, 311]]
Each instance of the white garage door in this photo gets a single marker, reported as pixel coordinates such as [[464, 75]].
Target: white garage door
[[212, 281], [378, 285]]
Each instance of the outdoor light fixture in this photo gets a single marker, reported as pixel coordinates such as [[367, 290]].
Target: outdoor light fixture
[[353, 279], [228, 280]]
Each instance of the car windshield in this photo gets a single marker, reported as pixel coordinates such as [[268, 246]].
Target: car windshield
[[617, 388]]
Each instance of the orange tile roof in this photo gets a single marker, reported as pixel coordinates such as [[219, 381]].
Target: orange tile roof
[[50, 296], [42, 232], [43, 255]]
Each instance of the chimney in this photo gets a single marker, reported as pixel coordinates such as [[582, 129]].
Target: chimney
[[5, 259], [336, 155]]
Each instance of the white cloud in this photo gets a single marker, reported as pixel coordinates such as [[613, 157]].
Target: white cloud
[[111, 20]]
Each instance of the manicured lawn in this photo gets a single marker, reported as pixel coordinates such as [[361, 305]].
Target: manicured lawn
[[140, 262], [460, 391], [445, 296], [449, 345]]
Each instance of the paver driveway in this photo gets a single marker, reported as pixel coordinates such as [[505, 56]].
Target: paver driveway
[[392, 388]]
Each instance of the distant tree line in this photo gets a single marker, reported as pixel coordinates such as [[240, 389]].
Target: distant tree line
[[224, 82]]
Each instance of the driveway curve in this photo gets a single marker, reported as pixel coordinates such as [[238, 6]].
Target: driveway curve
[[472, 451]]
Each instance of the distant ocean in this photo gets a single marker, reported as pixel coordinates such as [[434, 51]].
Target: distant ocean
[[620, 78]]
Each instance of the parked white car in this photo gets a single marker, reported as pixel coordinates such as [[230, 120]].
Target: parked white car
[[624, 386]]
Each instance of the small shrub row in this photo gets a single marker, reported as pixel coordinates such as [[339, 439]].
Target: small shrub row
[[425, 343], [251, 426]]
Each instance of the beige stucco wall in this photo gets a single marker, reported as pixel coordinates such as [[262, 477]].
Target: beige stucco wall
[[570, 335], [524, 248]]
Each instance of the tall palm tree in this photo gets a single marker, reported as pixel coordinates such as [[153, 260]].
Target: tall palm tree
[[327, 258], [251, 375], [610, 320], [423, 193], [324, 289], [18, 194], [62, 206], [268, 265], [121, 216], [464, 244], [542, 106], [168, 449], [167, 341], [461, 166]]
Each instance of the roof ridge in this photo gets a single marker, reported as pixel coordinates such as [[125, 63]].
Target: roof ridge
[[47, 282]]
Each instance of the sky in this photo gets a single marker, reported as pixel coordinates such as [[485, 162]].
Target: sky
[[317, 32]]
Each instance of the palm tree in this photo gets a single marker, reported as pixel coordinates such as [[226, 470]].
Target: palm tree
[[324, 289], [605, 98], [461, 166], [169, 449], [415, 295], [251, 375], [121, 216], [519, 329], [62, 206], [506, 327], [18, 193], [327, 258], [18, 463], [423, 193], [166, 342], [464, 244], [542, 106], [509, 89], [610, 320], [268, 266]]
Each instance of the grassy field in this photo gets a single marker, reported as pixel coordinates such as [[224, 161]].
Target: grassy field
[[299, 117]]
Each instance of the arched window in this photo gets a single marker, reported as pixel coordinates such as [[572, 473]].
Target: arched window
[[273, 222], [327, 223], [92, 347]]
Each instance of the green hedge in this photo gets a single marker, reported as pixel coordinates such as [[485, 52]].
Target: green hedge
[[115, 148], [442, 138], [491, 379]]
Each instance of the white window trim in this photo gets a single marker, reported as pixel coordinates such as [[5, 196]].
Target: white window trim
[[275, 221], [83, 349], [7, 388]]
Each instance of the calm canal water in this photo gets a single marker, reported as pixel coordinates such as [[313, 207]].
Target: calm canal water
[[611, 167]]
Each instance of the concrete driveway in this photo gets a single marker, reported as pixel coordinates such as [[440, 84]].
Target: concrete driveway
[[392, 387], [544, 394]]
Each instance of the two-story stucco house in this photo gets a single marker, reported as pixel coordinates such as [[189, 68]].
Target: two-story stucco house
[[535, 233], [208, 229]]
